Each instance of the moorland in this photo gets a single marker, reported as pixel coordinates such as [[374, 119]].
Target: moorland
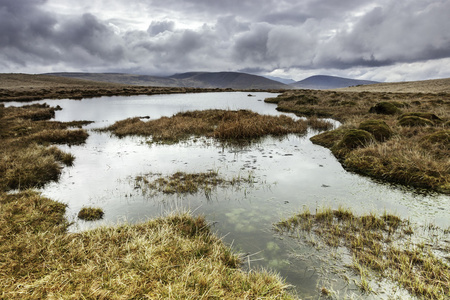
[[397, 136]]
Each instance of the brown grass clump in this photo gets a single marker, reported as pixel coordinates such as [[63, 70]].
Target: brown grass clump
[[379, 243], [172, 257], [224, 125], [90, 213], [31, 167], [26, 158], [402, 152]]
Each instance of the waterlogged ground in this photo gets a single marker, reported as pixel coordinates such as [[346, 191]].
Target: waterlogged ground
[[287, 174]]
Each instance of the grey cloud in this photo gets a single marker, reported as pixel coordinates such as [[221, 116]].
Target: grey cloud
[[237, 35], [251, 46], [228, 26], [157, 27], [400, 32]]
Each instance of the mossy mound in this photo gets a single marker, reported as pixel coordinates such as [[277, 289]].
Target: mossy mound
[[413, 121], [329, 138], [90, 213], [355, 138], [428, 116], [378, 128], [385, 108], [441, 137]]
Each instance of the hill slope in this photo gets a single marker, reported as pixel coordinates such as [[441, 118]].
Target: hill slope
[[424, 86], [323, 82], [232, 80]]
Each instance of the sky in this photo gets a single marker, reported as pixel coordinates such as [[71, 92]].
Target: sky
[[381, 40]]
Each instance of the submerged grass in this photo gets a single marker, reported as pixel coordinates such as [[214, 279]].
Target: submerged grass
[[172, 257], [375, 138], [382, 244], [187, 183], [224, 125]]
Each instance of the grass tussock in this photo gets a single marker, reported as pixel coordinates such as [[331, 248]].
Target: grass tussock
[[378, 243], [172, 257], [396, 137], [187, 183], [224, 125], [27, 159], [90, 213]]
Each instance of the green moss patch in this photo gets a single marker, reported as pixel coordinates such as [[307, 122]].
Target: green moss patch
[[414, 121], [385, 108], [378, 128], [355, 138]]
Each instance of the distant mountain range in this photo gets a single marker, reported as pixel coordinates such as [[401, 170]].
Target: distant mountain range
[[233, 80], [323, 82]]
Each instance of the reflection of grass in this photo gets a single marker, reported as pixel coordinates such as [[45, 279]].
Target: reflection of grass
[[390, 145], [172, 257], [187, 183], [382, 244], [224, 125]]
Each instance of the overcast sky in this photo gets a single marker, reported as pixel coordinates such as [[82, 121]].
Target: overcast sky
[[383, 40]]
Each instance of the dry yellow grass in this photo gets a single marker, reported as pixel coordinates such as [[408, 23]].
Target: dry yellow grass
[[174, 257], [224, 125]]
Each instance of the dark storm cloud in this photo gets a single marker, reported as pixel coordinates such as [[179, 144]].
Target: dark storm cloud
[[221, 35], [399, 32]]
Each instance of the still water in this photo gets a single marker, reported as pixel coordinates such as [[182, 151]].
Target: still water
[[289, 174]]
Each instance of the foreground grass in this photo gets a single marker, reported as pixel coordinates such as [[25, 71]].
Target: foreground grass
[[172, 257], [382, 244], [400, 138], [224, 125]]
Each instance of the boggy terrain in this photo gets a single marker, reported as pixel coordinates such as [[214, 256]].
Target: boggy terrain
[[172, 257], [25, 87], [401, 137], [395, 137]]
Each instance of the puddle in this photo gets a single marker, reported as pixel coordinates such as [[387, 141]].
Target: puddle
[[288, 174]]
